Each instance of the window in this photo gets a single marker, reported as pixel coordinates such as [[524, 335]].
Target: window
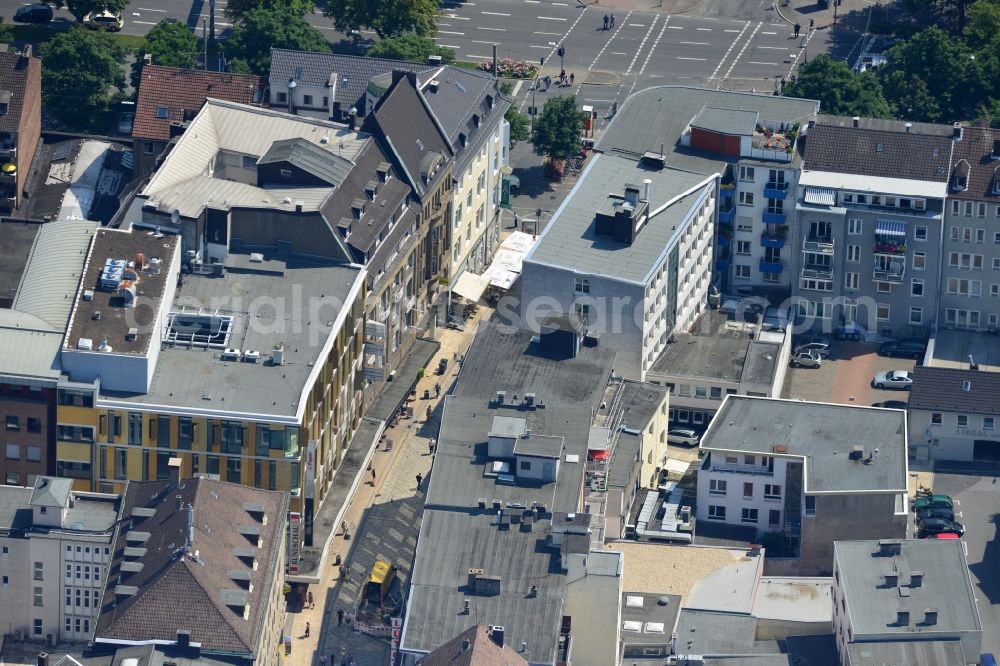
[[716, 512], [980, 212], [810, 505], [147, 147], [995, 290], [697, 418], [582, 286], [36, 627], [307, 100], [852, 280], [772, 491], [135, 428], [746, 198], [700, 392], [749, 516], [34, 425], [13, 452], [996, 263], [684, 390], [954, 211], [936, 418], [916, 287], [916, 315], [582, 311], [747, 490], [774, 517], [919, 261], [743, 271], [39, 571], [731, 460], [37, 593], [854, 226], [232, 437], [854, 254], [920, 233], [743, 247], [882, 312], [715, 393], [717, 487], [963, 421], [233, 470], [249, 162], [989, 422], [34, 454], [964, 287], [883, 287], [746, 174], [968, 209], [996, 234], [13, 423]]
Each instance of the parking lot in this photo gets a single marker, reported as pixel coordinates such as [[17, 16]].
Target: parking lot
[[846, 376], [977, 497]]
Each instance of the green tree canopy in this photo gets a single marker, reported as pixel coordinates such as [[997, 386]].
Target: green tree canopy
[[387, 19], [839, 90], [931, 77], [411, 47], [168, 44], [260, 30], [558, 129], [80, 8], [80, 69], [237, 8], [519, 130]]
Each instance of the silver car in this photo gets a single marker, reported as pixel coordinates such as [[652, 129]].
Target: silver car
[[894, 379], [807, 359], [683, 436]]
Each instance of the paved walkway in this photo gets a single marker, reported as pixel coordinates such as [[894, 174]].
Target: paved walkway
[[384, 522]]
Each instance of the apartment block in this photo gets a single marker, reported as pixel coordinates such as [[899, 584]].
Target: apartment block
[[954, 414], [20, 123]]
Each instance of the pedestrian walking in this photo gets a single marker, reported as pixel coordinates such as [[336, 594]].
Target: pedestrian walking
[[310, 598], [430, 446], [420, 478], [515, 220], [373, 476], [437, 389], [572, 76], [306, 635], [812, 23], [612, 21], [340, 617], [798, 29], [606, 21]]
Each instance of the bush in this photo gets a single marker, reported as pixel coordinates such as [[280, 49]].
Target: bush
[[508, 68]]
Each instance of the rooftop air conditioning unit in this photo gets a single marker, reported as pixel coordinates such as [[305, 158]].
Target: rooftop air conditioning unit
[[231, 355], [251, 356]]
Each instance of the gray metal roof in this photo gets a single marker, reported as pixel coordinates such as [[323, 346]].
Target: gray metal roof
[[824, 434], [199, 379], [726, 121], [658, 116], [29, 346], [15, 514], [570, 239], [640, 400], [955, 390], [309, 157], [941, 653], [712, 633], [623, 469], [545, 446], [872, 605], [50, 491], [661, 609]]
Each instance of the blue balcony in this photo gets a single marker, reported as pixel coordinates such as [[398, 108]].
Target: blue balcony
[[722, 265], [773, 239], [724, 241], [771, 266], [773, 218], [726, 216], [776, 190]]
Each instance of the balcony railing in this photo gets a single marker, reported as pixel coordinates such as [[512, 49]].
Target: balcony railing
[[889, 268], [725, 240], [818, 244], [771, 266], [773, 218], [817, 271], [773, 239], [776, 190], [882, 247], [726, 215]]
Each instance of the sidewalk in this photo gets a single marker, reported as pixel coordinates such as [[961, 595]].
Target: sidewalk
[[384, 522]]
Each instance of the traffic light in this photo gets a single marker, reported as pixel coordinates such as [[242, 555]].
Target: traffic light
[[561, 51], [541, 61]]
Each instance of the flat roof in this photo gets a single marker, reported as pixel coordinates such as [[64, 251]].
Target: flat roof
[[796, 598], [822, 433], [639, 402], [713, 633], [945, 586], [18, 237], [309, 294], [726, 121], [648, 618], [99, 314], [952, 349], [720, 358], [15, 513], [570, 239], [941, 653]]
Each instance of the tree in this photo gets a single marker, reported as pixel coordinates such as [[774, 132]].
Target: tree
[[558, 130], [237, 8], [839, 90], [411, 47], [931, 77], [387, 19], [168, 44], [518, 121], [249, 49], [80, 8], [79, 69]]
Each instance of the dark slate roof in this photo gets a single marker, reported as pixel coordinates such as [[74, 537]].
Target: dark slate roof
[[179, 90], [878, 153], [309, 157], [176, 591], [353, 72], [14, 72], [886, 124], [482, 651], [51, 492], [943, 390], [404, 123], [976, 148]]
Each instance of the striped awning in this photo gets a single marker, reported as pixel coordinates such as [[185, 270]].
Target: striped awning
[[890, 228], [820, 196]]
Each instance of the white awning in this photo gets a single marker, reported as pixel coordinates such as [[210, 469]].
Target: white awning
[[506, 265], [820, 196], [471, 286]]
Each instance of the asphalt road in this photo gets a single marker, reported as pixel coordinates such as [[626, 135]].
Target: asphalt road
[[978, 496]]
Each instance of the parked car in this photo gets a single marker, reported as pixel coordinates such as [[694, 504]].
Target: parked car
[[894, 379], [944, 535], [932, 501], [987, 659], [104, 21], [935, 512], [939, 526], [683, 436], [849, 332], [36, 12], [125, 122], [807, 359], [891, 404], [903, 349], [820, 348]]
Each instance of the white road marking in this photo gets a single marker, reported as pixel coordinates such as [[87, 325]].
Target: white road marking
[[695, 43], [445, 24], [605, 47], [495, 13], [556, 34], [798, 55], [637, 25], [652, 49], [455, 17], [588, 99], [770, 64], [534, 2], [450, 32], [776, 48], [448, 46], [553, 18], [618, 53], [481, 41], [146, 22], [676, 27], [769, 33], [705, 29], [742, 51], [533, 46], [480, 57], [729, 50], [560, 4], [683, 58], [147, 9], [482, 27], [517, 86], [732, 30]]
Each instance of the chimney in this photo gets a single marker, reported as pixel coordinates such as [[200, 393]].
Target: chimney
[[179, 506], [183, 638], [496, 633], [466, 645], [352, 117], [43, 657], [902, 617], [26, 52], [174, 467], [647, 184], [916, 578], [494, 61], [891, 579], [632, 194], [190, 528], [857, 120], [291, 95], [909, 127], [930, 616], [956, 131]]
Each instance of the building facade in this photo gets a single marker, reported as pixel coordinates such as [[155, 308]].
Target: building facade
[[20, 122], [954, 414]]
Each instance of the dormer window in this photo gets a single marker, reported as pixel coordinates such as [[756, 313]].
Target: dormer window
[[462, 139], [475, 119], [489, 101], [371, 189], [163, 112], [358, 208], [383, 171], [960, 178], [996, 181]]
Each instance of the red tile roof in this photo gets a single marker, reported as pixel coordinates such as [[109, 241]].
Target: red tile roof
[[176, 90], [482, 651]]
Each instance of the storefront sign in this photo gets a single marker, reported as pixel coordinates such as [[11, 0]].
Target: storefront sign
[[294, 547]]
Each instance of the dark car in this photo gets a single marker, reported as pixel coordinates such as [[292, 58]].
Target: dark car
[[939, 526], [37, 12], [891, 404], [935, 512], [903, 349], [932, 502]]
